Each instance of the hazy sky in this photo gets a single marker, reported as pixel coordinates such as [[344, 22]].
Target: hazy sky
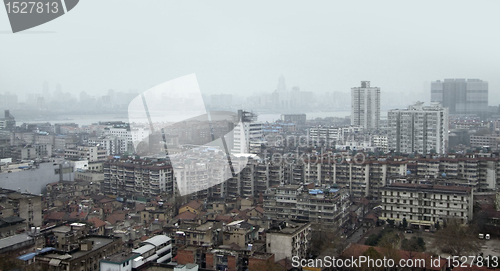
[[242, 47]]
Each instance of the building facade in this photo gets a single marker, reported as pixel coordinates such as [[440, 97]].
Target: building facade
[[289, 239], [90, 154], [328, 206], [137, 177], [490, 141], [461, 96], [418, 129], [426, 205], [90, 250], [365, 106], [22, 205], [248, 134]]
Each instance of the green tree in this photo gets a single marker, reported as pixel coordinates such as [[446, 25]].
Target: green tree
[[372, 240], [390, 243], [457, 239], [413, 244], [326, 238], [372, 253]]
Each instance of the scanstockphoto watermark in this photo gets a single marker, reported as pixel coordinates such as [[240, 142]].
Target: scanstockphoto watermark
[[291, 158], [28, 14], [361, 261], [304, 141]]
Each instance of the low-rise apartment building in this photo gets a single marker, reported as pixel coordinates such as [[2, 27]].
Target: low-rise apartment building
[[24, 205], [321, 205], [240, 233], [155, 249], [90, 251], [90, 154], [128, 177], [289, 239], [426, 205]]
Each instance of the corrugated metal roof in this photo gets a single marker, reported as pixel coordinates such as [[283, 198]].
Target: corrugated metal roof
[[31, 255], [28, 256], [143, 249], [157, 240]]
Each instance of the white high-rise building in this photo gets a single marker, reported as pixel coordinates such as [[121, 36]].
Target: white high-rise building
[[127, 136], [418, 129], [365, 106], [247, 137], [248, 134]]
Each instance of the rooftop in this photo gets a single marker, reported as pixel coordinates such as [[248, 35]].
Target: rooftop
[[98, 243], [12, 220], [288, 227], [205, 226], [15, 239], [121, 257], [157, 240], [429, 187], [143, 249]]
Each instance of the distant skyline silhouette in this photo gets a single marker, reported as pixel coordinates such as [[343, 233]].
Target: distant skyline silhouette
[[243, 48]]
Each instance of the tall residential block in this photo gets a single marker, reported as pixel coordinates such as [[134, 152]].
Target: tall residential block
[[365, 106], [418, 129], [248, 134], [461, 96]]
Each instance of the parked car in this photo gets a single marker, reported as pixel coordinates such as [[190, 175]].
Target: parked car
[[409, 231]]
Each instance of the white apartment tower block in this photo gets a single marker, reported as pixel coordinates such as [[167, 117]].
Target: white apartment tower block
[[418, 129], [365, 106], [248, 134]]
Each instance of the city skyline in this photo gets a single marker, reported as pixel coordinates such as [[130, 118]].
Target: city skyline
[[229, 135], [281, 98]]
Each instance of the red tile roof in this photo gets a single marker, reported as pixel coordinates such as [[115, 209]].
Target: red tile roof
[[97, 222], [193, 204], [55, 216], [224, 218], [186, 216], [106, 200], [140, 207], [259, 209], [78, 215], [115, 217]]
